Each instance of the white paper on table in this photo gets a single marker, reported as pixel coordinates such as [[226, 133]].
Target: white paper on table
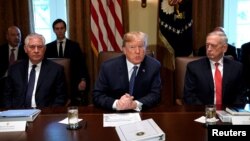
[[201, 119], [240, 120], [66, 121], [112, 120], [12, 126]]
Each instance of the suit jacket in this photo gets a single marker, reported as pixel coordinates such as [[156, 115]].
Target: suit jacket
[[77, 62], [199, 84], [113, 82], [245, 59], [4, 57], [50, 90], [231, 50]]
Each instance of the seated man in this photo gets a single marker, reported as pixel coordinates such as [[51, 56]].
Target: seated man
[[35, 82], [231, 50], [114, 89], [201, 85]]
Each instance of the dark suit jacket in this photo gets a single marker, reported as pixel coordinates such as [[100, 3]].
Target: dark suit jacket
[[231, 50], [4, 57], [113, 82], [199, 84], [77, 61], [50, 90], [245, 59], [4, 65]]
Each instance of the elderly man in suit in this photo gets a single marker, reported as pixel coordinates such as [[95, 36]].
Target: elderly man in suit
[[35, 82], [118, 88], [201, 85], [231, 50], [9, 53], [66, 48]]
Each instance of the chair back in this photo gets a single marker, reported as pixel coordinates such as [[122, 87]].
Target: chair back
[[65, 62], [106, 55], [179, 76]]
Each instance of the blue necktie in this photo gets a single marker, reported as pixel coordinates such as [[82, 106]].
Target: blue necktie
[[30, 86], [132, 80]]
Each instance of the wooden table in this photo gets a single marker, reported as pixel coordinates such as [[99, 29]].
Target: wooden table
[[177, 123]]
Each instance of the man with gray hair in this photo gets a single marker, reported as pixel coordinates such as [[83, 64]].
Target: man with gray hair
[[35, 82], [214, 79]]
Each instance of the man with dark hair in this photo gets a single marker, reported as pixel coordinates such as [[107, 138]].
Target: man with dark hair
[[66, 48]]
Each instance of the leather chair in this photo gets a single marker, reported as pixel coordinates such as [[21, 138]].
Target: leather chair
[[179, 76], [65, 62], [105, 55]]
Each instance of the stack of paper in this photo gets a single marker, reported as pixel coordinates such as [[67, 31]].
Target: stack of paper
[[19, 115], [141, 130]]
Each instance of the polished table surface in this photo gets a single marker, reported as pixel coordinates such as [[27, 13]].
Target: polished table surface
[[177, 122]]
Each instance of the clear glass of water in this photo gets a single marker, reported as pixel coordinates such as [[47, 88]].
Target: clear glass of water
[[210, 112], [73, 117]]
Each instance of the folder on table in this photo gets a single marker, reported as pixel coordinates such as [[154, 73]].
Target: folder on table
[[19, 115], [141, 130]]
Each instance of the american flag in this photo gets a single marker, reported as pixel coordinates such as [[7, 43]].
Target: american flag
[[106, 25]]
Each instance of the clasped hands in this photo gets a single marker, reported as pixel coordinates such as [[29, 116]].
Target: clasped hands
[[126, 102]]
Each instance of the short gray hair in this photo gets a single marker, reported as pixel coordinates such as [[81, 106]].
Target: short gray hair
[[34, 35]]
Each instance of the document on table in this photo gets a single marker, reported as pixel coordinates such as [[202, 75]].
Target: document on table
[[241, 120], [112, 120]]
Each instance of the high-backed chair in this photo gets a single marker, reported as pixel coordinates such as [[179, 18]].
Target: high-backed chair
[[179, 75], [65, 62], [105, 55]]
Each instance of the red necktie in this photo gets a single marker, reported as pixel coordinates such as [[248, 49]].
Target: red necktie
[[12, 56], [218, 84]]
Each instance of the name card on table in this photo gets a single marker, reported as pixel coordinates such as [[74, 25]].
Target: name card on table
[[12, 126]]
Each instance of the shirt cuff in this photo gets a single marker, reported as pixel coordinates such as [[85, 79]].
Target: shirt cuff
[[114, 105], [139, 106]]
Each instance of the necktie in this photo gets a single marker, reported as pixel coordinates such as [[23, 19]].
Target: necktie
[[132, 80], [218, 84], [12, 56], [60, 50], [30, 86]]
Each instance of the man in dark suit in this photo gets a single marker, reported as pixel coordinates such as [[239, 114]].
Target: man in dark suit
[[13, 37], [231, 50], [71, 50], [48, 87], [200, 83], [112, 90]]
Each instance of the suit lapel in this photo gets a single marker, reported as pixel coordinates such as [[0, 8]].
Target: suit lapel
[[208, 74], [123, 72], [43, 73]]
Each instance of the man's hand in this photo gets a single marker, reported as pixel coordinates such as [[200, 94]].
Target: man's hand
[[126, 102]]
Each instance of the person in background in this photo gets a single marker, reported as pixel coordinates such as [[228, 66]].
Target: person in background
[[44, 88], [200, 85], [245, 59], [71, 50], [10, 52], [116, 89], [231, 50]]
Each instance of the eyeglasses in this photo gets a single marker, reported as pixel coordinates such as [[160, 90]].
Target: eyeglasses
[[36, 46]]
